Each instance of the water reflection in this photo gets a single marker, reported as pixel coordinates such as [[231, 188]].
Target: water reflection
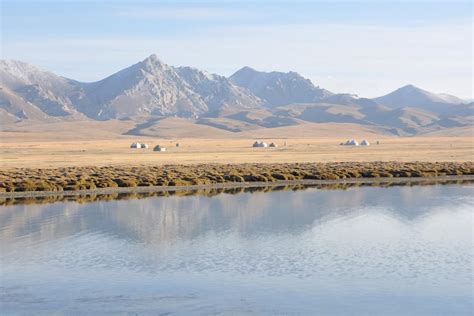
[[371, 250], [84, 198], [150, 218]]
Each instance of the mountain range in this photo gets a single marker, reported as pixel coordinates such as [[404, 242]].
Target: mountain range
[[151, 90]]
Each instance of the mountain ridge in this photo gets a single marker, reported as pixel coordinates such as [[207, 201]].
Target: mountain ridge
[[279, 88], [248, 99]]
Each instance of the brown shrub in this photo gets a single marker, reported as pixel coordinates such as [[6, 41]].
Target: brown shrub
[[125, 182]]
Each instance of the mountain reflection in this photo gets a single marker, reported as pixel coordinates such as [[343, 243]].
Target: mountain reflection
[[4, 201], [166, 217]]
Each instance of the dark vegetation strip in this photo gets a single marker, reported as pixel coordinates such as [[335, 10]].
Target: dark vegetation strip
[[92, 178]]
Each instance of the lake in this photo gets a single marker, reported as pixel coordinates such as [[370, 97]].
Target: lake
[[398, 250]]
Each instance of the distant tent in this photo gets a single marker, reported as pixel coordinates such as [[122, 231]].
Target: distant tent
[[177, 144], [260, 144], [139, 145], [159, 148], [352, 142], [364, 143], [273, 145]]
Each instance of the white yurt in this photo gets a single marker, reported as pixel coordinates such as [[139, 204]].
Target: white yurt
[[352, 142], [263, 144], [136, 145], [364, 142], [159, 148]]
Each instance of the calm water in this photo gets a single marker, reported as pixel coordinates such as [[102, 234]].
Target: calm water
[[378, 251]]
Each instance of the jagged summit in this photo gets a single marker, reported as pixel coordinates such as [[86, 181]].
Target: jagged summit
[[279, 88], [15, 73], [153, 58], [152, 63], [151, 89]]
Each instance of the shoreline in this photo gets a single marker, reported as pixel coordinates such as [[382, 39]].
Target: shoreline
[[102, 180], [230, 185]]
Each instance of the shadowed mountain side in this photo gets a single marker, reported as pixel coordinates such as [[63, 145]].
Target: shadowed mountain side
[[409, 120], [308, 129], [174, 127], [454, 131], [15, 108], [227, 124], [350, 100], [240, 120], [411, 96], [228, 128], [322, 113]]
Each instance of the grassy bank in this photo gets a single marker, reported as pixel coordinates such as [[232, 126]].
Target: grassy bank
[[88, 178]]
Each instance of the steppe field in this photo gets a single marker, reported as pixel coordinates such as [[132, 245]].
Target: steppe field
[[102, 144]]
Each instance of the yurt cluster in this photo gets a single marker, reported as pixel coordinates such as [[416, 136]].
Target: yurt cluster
[[261, 144], [138, 145], [353, 142], [145, 146]]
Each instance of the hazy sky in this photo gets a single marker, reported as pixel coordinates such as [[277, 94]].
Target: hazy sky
[[369, 48]]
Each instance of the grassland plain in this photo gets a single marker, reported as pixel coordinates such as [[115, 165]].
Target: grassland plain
[[83, 157], [20, 151]]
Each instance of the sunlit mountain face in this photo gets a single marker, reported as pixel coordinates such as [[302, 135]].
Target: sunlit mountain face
[[249, 99]]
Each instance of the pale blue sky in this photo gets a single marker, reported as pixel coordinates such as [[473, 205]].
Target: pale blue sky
[[368, 48]]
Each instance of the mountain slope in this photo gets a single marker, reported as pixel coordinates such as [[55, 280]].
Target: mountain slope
[[411, 96], [48, 92], [278, 88], [17, 108], [218, 92], [350, 100], [146, 93], [149, 87]]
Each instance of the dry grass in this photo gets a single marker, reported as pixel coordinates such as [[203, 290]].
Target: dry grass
[[88, 155], [82, 178], [21, 152]]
